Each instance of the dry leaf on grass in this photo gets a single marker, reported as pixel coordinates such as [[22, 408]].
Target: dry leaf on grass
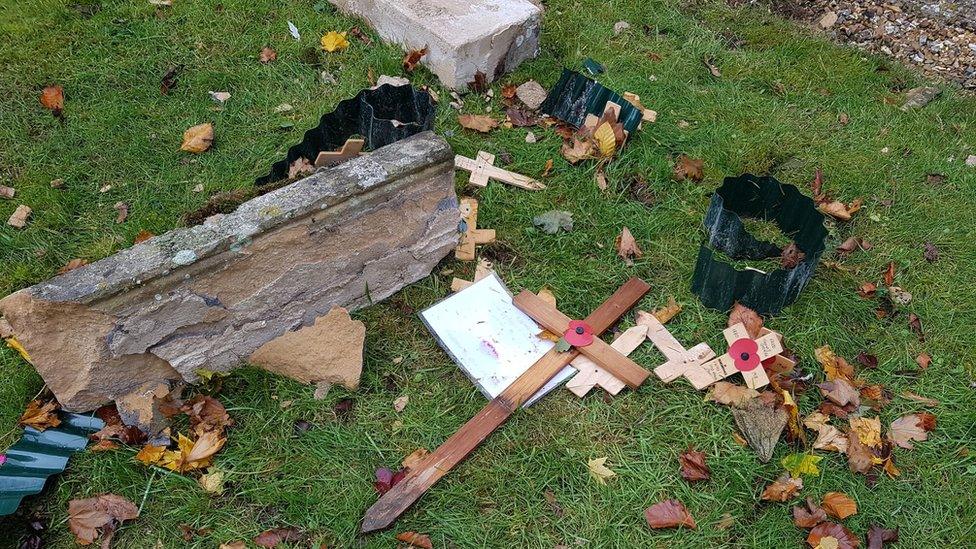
[[801, 464], [693, 466], [191, 455], [791, 256], [782, 489], [104, 512], [333, 41], [599, 471], [831, 534], [868, 430], [267, 55], [237, 544], [627, 247], [275, 536], [413, 57], [669, 513], [809, 515], [362, 36], [415, 539], [839, 505], [150, 454], [688, 168], [52, 99], [919, 398], [415, 458], [669, 311], [749, 318], [860, 458], [913, 427], [400, 403], [606, 142], [477, 122], [839, 210], [123, 211], [72, 265], [830, 438], [198, 139], [40, 415], [923, 360], [731, 394], [601, 178], [212, 483], [840, 392], [206, 413], [878, 536], [833, 365]]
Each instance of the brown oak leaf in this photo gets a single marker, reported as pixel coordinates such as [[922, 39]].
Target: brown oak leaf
[[749, 318], [669, 513], [627, 247], [809, 515], [693, 466], [688, 168], [415, 539], [839, 505], [782, 489]]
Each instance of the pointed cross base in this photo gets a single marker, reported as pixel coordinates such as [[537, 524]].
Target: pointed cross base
[[471, 235], [484, 169], [439, 462], [350, 149]]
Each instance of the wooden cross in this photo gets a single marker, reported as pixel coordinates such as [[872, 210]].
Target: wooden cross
[[745, 356], [482, 270], [350, 149], [439, 462], [471, 235], [484, 169], [590, 374], [679, 359]]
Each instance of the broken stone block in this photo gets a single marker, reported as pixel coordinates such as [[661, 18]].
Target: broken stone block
[[206, 297], [463, 38], [330, 350]]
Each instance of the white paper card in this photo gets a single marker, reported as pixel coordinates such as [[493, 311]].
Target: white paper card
[[490, 339]]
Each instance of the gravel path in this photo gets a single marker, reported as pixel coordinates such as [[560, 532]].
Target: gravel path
[[937, 36]]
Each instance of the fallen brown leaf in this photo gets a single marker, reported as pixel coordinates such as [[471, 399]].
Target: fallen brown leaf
[[169, 79], [867, 290], [40, 415], [915, 324], [782, 489], [18, 219], [878, 536], [688, 168], [809, 515], [414, 539], [415, 458], [839, 210], [919, 398], [845, 539], [889, 274], [52, 99], [547, 169], [198, 139], [267, 55], [868, 430], [271, 538], [923, 360], [669, 311], [412, 58], [362, 36], [749, 318], [627, 247], [72, 265], [105, 512], [693, 466], [839, 505], [478, 122], [731, 394], [913, 427], [840, 392], [669, 513], [791, 256], [143, 236], [509, 91], [123, 211]]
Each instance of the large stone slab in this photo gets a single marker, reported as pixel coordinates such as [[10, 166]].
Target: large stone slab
[[206, 297], [463, 37]]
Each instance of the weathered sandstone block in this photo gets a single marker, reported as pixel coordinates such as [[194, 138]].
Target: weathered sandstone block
[[463, 38], [208, 296]]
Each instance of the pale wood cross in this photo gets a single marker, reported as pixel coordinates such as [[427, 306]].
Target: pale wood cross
[[439, 462], [748, 357], [482, 169], [481, 270], [472, 235], [350, 149]]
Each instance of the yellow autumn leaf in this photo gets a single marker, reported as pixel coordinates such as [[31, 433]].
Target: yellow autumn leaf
[[150, 454], [212, 483], [605, 139], [868, 430], [599, 471], [801, 464], [198, 138], [15, 345], [333, 41]]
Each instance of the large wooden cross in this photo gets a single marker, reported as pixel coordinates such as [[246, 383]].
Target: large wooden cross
[[437, 464], [483, 168]]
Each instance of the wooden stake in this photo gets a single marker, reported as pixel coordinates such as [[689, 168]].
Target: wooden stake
[[483, 169], [472, 235], [350, 149], [439, 462]]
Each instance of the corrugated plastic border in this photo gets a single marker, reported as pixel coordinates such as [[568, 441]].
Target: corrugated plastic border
[[575, 96]]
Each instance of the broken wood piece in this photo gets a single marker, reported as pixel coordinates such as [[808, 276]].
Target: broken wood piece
[[647, 115], [439, 462], [350, 149], [590, 374], [471, 235], [484, 169], [680, 360], [745, 356], [761, 425], [598, 351]]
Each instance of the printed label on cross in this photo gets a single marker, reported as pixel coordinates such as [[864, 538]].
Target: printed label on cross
[[350, 149], [484, 169], [471, 235], [745, 356], [439, 462]]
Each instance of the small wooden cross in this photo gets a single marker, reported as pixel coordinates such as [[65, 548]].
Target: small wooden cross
[[350, 149], [471, 235], [745, 356], [482, 270], [484, 169], [439, 462]]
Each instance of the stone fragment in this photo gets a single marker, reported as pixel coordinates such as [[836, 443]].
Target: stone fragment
[[919, 97], [18, 219], [7, 192], [391, 80], [620, 26], [490, 37], [531, 93], [761, 425], [330, 350], [971, 161], [207, 296], [828, 20]]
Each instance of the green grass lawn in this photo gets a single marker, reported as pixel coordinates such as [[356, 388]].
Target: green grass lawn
[[774, 110]]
